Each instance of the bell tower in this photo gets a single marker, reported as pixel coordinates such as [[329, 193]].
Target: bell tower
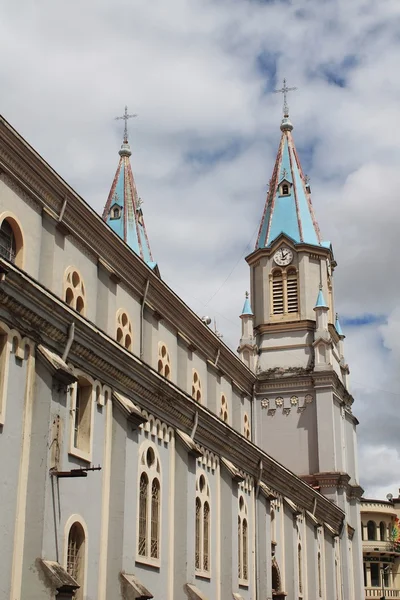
[[303, 407]]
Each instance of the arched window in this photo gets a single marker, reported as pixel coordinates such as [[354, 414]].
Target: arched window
[[196, 387], [246, 426], [292, 291], [11, 241], [243, 542], [300, 568], [74, 290], [319, 575], [76, 556], [149, 505], [285, 189], [124, 329], [371, 530], [223, 413], [81, 411], [382, 531], [202, 525], [276, 577], [277, 292], [115, 212], [164, 362]]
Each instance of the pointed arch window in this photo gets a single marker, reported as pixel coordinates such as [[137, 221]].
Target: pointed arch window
[[285, 189], [124, 330], [149, 505], [164, 361], [202, 526], [74, 290], [223, 413], [243, 542], [319, 575], [300, 569], [196, 387], [76, 556]]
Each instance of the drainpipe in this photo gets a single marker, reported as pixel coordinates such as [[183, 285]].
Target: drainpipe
[[60, 218], [195, 423], [256, 519], [71, 334], [146, 289]]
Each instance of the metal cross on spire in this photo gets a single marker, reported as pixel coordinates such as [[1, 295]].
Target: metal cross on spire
[[125, 117], [284, 90]]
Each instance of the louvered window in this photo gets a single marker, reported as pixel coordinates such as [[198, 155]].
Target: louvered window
[[292, 292], [277, 293]]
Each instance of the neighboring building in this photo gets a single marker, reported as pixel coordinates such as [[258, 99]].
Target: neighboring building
[[220, 476], [380, 521]]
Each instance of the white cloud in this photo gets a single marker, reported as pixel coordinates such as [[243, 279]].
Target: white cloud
[[190, 69]]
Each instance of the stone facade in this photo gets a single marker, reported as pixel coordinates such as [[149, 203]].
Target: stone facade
[[138, 450]]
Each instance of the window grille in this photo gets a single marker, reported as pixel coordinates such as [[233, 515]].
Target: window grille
[[155, 518], [198, 524], [7, 241], [144, 485]]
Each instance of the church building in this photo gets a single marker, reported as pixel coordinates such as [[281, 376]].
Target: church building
[[141, 457]]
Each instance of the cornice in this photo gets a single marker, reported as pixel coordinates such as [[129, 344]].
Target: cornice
[[314, 251], [49, 190], [44, 317], [303, 325]]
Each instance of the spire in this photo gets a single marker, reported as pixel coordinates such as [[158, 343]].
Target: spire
[[288, 208], [320, 303], [123, 209], [246, 307], [338, 327]]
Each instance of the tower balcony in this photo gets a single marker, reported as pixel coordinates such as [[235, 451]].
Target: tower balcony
[[377, 592], [386, 546]]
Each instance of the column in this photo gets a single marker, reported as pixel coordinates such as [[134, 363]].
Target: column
[[368, 569]]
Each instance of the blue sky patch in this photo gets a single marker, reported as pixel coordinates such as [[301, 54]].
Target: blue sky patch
[[366, 319]]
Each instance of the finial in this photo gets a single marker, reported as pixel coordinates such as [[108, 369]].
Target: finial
[[125, 118], [284, 90], [320, 287], [247, 294]]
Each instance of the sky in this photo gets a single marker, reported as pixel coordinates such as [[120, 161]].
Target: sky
[[200, 75]]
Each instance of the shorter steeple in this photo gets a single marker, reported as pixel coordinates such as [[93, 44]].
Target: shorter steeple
[[123, 209], [247, 347]]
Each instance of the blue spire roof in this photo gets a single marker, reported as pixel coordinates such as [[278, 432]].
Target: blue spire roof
[[123, 212], [320, 303], [246, 306], [288, 207], [338, 327]]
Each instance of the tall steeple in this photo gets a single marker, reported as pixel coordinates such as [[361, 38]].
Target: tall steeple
[[288, 208], [123, 209]]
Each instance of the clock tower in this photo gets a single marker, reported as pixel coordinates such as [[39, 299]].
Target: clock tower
[[303, 408]]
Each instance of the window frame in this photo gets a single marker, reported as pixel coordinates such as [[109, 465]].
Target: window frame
[[197, 390], [153, 474], [77, 291], [74, 520], [125, 329], [18, 235], [203, 499], [164, 361], [285, 277], [243, 542], [82, 387]]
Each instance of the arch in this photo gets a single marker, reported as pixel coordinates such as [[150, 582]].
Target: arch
[[149, 504], [196, 387], [74, 290], [11, 239], [276, 578], [76, 552], [223, 413], [124, 329], [202, 524], [164, 361], [371, 530]]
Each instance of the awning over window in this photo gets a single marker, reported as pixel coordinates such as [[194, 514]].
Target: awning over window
[[133, 589]]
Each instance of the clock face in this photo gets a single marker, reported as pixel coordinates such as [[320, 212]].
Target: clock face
[[283, 256]]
